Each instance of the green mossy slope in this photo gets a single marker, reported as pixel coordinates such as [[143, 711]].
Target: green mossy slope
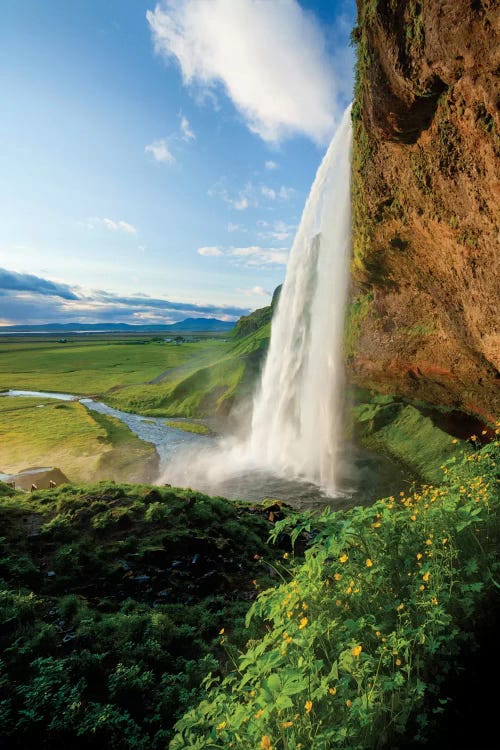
[[111, 597]]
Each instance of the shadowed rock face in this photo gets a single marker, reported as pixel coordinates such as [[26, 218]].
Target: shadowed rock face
[[426, 202]]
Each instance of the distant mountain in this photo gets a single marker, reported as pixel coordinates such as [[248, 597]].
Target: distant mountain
[[190, 324]]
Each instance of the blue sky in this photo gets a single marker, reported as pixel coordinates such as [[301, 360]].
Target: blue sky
[[160, 152]]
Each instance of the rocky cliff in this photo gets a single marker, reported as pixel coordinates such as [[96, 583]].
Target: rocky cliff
[[423, 319]]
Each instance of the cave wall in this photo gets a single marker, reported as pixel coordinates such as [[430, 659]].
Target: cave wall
[[424, 312]]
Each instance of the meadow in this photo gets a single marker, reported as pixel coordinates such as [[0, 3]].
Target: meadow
[[84, 445], [93, 366]]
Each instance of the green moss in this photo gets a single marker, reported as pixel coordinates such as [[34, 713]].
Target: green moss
[[402, 431], [197, 427], [357, 311], [363, 146]]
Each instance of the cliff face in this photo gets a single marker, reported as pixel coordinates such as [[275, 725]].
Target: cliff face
[[423, 320]]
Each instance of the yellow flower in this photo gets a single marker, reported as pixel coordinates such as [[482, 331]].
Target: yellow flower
[[287, 724], [454, 441], [473, 438], [332, 691], [378, 633], [338, 576], [338, 603], [434, 600], [426, 576], [289, 639], [400, 607], [348, 703], [304, 605], [444, 541], [413, 518], [221, 726], [286, 556], [221, 631], [368, 563], [419, 555], [259, 713], [356, 650], [398, 662], [308, 706], [422, 587], [265, 743], [344, 558], [428, 542], [303, 623]]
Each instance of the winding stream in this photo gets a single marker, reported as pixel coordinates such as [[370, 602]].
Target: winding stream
[[372, 475]]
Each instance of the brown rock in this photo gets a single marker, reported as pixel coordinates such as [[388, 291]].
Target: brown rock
[[427, 201]]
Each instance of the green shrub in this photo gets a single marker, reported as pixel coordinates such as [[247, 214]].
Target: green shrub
[[358, 639]]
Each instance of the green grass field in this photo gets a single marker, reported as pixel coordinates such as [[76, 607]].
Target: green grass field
[[86, 446], [193, 379], [94, 367]]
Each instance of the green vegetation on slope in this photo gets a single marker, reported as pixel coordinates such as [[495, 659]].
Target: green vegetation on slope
[[258, 318], [86, 446], [358, 640], [201, 389], [416, 435], [110, 600]]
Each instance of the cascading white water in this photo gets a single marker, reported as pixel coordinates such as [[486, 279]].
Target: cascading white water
[[296, 429], [296, 424]]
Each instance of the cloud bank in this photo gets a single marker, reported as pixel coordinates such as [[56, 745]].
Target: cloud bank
[[269, 57], [31, 300]]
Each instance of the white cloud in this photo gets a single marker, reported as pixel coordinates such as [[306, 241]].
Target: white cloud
[[241, 204], [264, 54], [111, 224], [160, 151], [186, 130], [235, 227], [271, 165], [268, 192], [278, 230], [260, 291], [260, 256], [285, 193], [209, 251], [241, 201]]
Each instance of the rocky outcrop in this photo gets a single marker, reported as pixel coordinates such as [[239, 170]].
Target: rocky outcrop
[[423, 321]]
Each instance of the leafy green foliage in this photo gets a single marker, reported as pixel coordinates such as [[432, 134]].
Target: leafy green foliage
[[111, 597], [358, 638]]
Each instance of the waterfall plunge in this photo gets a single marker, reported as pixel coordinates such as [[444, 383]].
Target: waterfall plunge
[[296, 424], [296, 429]]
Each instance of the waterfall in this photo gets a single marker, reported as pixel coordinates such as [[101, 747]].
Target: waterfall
[[296, 430], [296, 425]]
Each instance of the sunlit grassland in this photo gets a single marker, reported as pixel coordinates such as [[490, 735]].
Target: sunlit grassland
[[197, 427], [85, 445], [210, 383], [95, 367]]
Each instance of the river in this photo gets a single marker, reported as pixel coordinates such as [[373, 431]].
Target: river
[[372, 475]]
